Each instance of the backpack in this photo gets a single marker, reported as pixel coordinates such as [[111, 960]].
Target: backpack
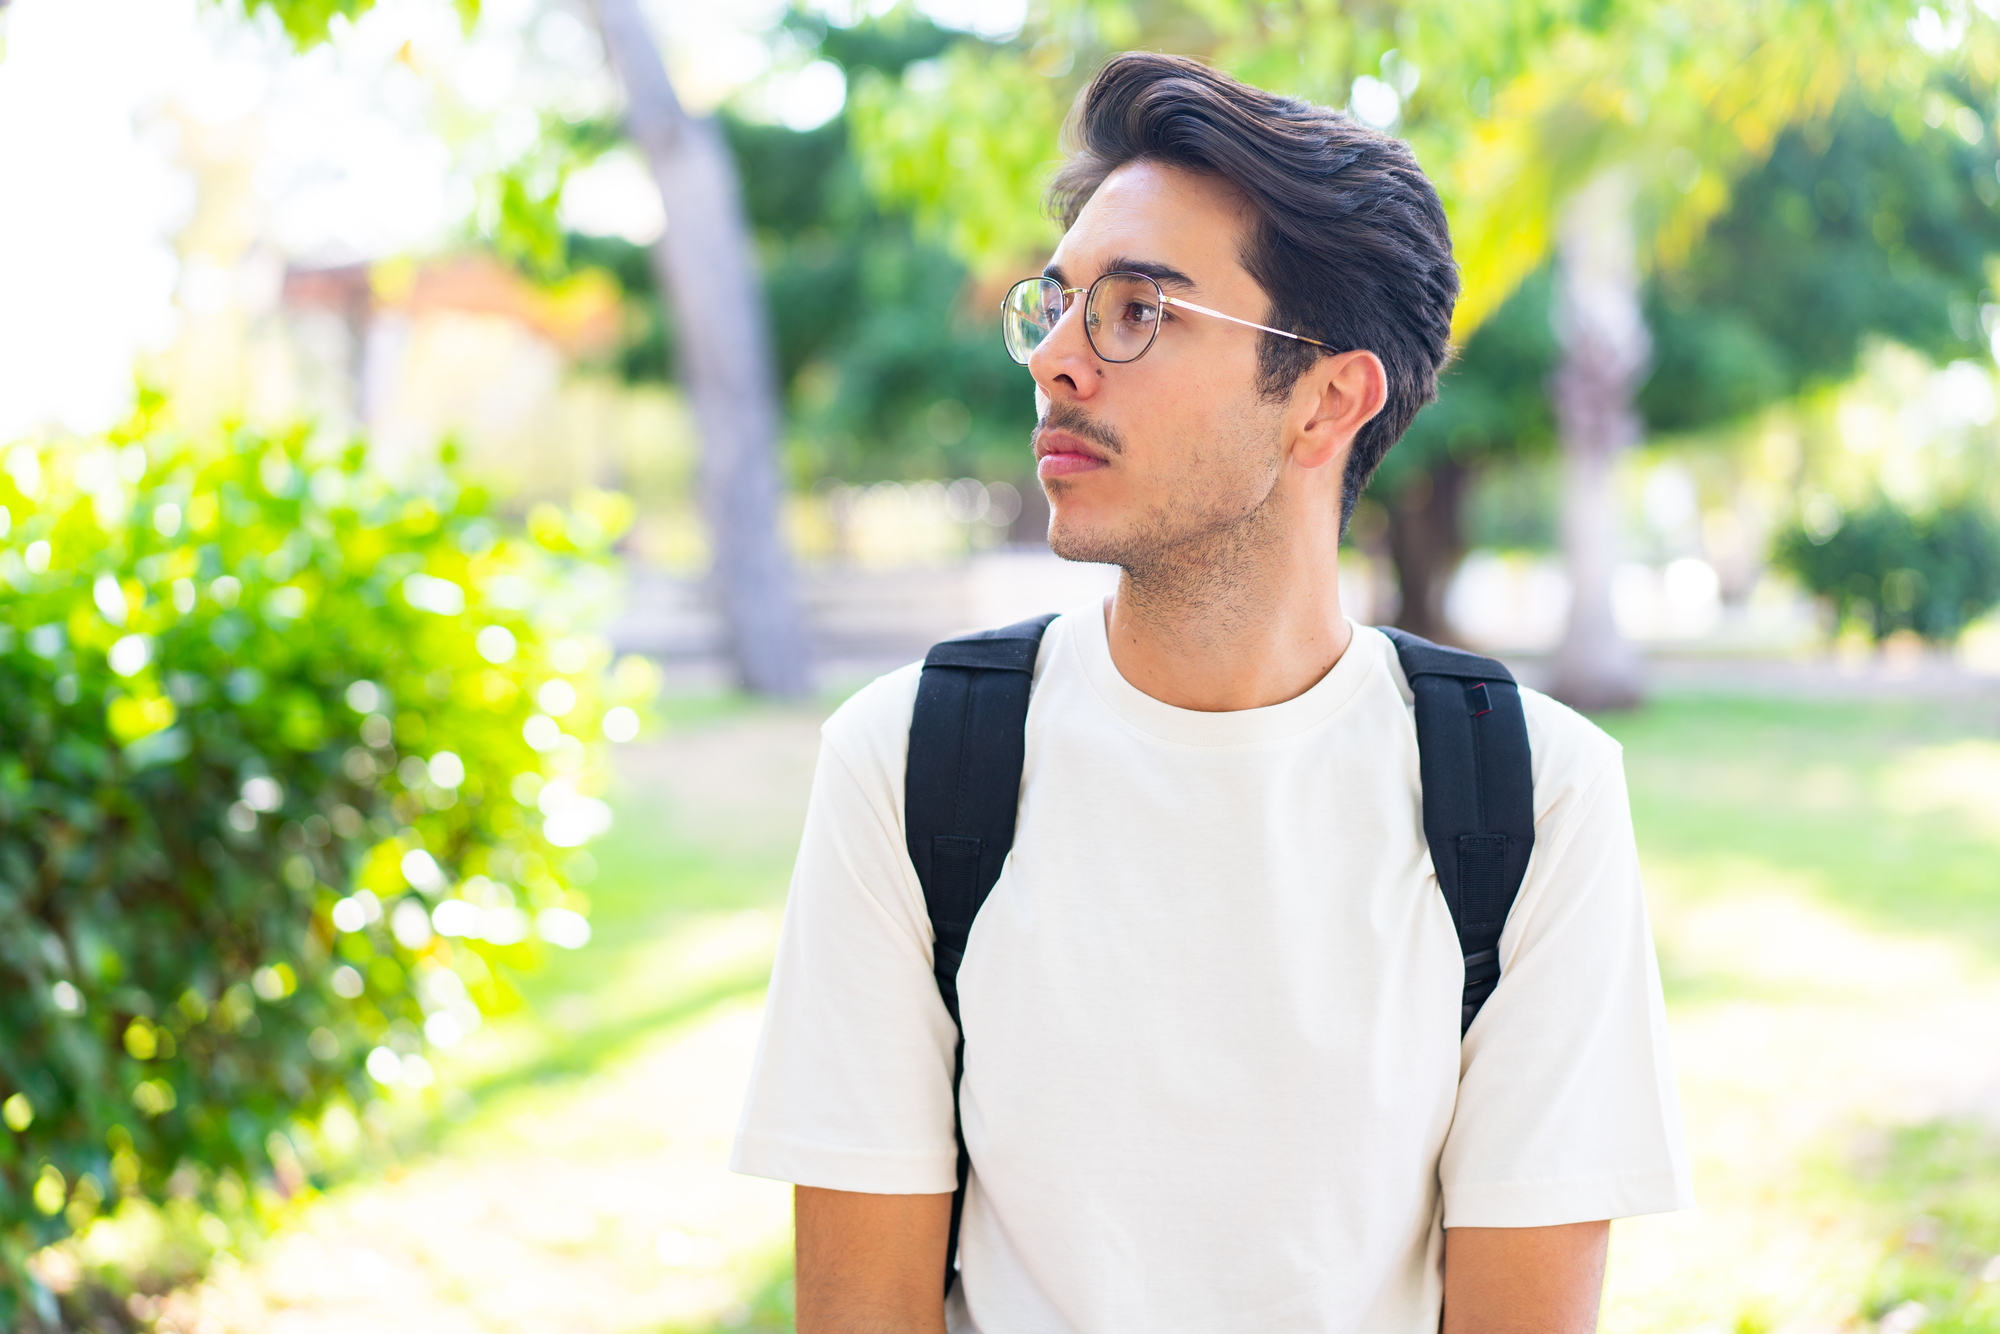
[[962, 790]]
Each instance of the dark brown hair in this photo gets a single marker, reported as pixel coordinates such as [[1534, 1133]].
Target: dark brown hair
[[1351, 244]]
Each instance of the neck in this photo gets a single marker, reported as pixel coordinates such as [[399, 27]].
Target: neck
[[1240, 619]]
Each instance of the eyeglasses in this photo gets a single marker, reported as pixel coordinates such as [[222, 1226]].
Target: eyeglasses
[[1121, 316]]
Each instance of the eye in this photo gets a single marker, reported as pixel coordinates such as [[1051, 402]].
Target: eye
[[1140, 312]]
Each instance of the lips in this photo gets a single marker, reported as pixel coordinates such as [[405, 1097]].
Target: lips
[[1060, 454]]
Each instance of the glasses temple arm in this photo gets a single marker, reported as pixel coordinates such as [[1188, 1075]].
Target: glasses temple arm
[[1250, 324]]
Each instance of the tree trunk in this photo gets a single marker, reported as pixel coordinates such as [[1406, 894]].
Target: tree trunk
[[1605, 349], [1427, 542], [707, 269]]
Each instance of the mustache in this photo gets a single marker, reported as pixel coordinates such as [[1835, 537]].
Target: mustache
[[1071, 418]]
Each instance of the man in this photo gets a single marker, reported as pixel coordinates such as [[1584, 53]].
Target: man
[[1213, 1075]]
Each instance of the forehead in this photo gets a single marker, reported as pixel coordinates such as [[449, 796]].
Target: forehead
[[1150, 212]]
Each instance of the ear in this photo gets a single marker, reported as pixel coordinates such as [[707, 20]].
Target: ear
[[1331, 403]]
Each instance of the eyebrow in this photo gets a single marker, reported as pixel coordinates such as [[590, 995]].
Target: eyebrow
[[1166, 275]]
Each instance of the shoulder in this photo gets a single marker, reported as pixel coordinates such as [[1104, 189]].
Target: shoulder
[[1571, 755], [870, 732]]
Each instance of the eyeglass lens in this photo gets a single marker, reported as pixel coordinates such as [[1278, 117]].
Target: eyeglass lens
[[1031, 310], [1121, 315]]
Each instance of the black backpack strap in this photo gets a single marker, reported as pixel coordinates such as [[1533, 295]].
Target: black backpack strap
[[1479, 798], [961, 790]]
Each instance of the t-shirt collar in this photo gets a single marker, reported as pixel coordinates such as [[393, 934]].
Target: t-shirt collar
[[1240, 727]]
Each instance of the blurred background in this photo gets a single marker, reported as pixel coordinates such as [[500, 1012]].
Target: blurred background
[[453, 454]]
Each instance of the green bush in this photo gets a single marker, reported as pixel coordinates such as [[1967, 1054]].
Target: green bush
[[294, 765], [1932, 574]]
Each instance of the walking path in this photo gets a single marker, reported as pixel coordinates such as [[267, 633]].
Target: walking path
[[608, 1210]]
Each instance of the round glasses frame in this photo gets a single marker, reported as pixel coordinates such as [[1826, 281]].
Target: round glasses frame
[[1033, 307]]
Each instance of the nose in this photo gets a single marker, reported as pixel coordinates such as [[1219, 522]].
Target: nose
[[1064, 364]]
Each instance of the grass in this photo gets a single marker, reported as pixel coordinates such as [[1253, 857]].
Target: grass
[[1891, 810], [1938, 1186], [1823, 882]]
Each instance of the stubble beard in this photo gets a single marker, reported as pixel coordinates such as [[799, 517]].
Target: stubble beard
[[1194, 551]]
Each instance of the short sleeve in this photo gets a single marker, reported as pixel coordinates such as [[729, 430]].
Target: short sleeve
[[1566, 1108], [852, 1084]]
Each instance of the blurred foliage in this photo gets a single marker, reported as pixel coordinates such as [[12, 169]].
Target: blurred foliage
[[309, 22], [519, 205], [1932, 574], [1512, 107], [893, 366], [520, 217], [1515, 508], [1869, 225], [645, 354], [1492, 399], [890, 358], [292, 763], [965, 146]]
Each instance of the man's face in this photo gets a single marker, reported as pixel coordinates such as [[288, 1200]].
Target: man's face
[[1178, 450]]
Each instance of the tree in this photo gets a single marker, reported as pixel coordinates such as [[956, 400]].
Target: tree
[[704, 263], [1492, 407], [1869, 223], [705, 267], [1604, 350], [1718, 92], [1877, 221], [891, 364], [1932, 574]]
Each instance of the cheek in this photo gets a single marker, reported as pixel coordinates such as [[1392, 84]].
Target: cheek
[[1209, 393], [1236, 459], [1213, 431]]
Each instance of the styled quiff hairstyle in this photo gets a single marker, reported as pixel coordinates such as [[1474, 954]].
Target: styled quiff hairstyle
[[1351, 244]]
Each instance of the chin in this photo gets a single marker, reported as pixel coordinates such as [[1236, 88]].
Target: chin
[[1078, 540]]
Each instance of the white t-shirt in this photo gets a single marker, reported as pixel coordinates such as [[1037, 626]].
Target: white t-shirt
[[1213, 1074]]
